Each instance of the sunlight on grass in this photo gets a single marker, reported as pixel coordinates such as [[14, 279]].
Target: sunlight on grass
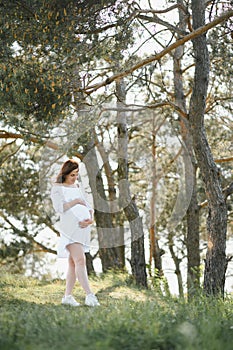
[[32, 318]]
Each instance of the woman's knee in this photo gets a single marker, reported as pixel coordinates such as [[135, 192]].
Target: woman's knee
[[77, 254], [71, 262], [79, 260]]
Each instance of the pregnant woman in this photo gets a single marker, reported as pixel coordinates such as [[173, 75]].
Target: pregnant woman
[[76, 216]]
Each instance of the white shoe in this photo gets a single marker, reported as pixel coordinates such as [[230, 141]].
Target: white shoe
[[69, 300], [91, 300]]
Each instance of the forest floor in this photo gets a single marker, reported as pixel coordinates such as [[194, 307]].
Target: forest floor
[[129, 318]]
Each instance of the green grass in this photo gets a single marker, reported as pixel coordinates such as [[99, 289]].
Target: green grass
[[32, 318]]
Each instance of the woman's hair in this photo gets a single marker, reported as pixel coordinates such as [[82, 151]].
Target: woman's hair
[[66, 169]]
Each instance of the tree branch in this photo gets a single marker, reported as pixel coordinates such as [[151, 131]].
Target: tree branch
[[201, 30], [156, 19], [227, 191], [138, 108], [25, 235], [9, 154], [26, 7], [223, 160], [173, 7], [10, 135]]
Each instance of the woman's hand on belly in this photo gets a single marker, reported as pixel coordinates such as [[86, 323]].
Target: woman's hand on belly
[[85, 223], [80, 201]]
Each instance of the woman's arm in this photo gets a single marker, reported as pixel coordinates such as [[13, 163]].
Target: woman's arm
[[59, 203], [72, 203]]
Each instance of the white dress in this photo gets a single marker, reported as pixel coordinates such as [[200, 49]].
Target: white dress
[[69, 228]]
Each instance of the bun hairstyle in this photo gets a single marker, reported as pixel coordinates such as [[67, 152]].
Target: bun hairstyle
[[66, 169]]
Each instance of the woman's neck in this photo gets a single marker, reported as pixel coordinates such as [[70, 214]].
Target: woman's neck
[[67, 185]]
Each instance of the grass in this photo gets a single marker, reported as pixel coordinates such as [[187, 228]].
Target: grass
[[32, 318]]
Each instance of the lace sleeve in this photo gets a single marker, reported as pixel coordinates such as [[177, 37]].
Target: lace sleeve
[[58, 199]]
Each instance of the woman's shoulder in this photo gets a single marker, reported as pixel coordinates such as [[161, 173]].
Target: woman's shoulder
[[61, 186], [56, 188]]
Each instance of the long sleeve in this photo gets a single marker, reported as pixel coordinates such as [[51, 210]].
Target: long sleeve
[[86, 202], [58, 199]]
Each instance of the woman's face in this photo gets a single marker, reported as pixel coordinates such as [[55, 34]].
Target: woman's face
[[71, 177]]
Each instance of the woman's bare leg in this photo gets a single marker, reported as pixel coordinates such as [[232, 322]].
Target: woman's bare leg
[[78, 256], [70, 277]]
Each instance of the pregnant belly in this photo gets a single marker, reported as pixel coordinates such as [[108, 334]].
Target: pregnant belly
[[81, 212]]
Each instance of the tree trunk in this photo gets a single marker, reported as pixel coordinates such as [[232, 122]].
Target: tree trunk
[[193, 238], [176, 261], [216, 263], [113, 204], [192, 216], [105, 230], [129, 206], [89, 264], [155, 251]]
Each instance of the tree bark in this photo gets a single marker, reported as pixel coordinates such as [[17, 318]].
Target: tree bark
[[216, 262], [193, 238], [176, 261], [192, 216], [155, 251], [89, 264], [138, 264], [105, 229], [113, 204]]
